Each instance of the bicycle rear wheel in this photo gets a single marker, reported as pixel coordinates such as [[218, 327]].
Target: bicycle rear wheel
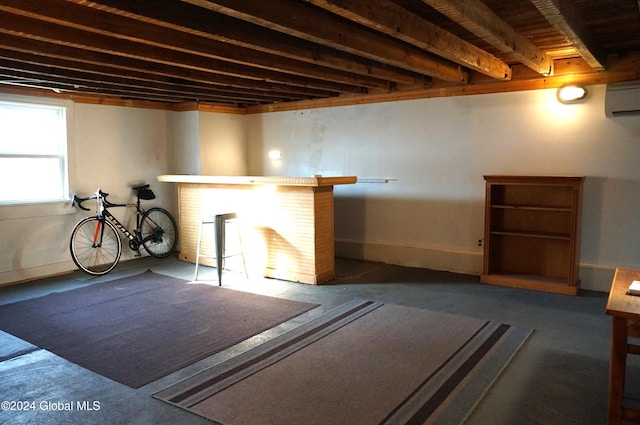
[[95, 246], [159, 233]]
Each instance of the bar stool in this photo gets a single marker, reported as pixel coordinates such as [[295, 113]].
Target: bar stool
[[219, 220]]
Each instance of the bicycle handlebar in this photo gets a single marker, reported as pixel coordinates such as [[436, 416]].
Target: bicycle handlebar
[[99, 193], [79, 202], [102, 198]]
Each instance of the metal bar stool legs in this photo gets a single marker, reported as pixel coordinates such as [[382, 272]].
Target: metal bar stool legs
[[203, 222], [219, 221]]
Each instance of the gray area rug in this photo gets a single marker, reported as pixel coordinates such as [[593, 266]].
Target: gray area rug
[[363, 363], [137, 329]]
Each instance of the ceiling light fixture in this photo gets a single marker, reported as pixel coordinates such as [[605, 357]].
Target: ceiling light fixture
[[571, 93]]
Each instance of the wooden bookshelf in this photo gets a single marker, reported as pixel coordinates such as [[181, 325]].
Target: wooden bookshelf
[[532, 232]]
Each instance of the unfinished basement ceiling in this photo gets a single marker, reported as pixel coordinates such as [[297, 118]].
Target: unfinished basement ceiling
[[248, 53]]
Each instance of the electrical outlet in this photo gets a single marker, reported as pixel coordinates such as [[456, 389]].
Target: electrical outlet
[[479, 242]]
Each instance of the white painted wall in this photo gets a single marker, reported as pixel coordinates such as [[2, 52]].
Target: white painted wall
[[438, 150], [119, 147], [223, 146], [208, 144], [109, 148], [185, 142]]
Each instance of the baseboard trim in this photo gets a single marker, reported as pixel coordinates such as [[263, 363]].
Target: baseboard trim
[[13, 277], [458, 261], [593, 277], [43, 271]]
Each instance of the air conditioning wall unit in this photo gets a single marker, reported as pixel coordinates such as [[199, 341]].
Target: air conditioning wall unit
[[622, 99]]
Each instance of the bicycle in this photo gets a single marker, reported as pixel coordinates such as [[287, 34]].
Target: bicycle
[[95, 244]]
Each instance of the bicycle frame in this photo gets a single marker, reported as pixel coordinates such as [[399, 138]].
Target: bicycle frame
[[135, 238], [106, 214]]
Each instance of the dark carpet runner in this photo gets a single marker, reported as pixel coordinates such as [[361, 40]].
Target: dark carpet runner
[[137, 329]]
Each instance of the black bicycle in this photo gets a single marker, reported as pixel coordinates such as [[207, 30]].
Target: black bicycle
[[95, 244]]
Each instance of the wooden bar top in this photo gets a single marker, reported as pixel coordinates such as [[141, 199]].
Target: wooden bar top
[[314, 181], [620, 304]]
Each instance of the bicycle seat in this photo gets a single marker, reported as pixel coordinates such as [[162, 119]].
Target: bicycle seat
[[144, 192]]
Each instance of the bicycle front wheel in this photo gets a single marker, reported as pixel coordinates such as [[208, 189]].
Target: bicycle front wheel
[[95, 246], [159, 233]]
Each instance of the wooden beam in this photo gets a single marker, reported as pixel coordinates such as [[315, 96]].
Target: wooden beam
[[128, 82], [177, 15], [28, 27], [64, 84], [623, 68], [313, 24], [476, 17], [567, 20], [626, 72], [51, 54], [123, 28], [390, 18], [95, 99]]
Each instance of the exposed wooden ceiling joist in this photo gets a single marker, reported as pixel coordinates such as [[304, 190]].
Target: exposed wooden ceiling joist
[[128, 83], [390, 18], [476, 17], [199, 22], [314, 25], [269, 55], [98, 30], [90, 41], [64, 58], [567, 20]]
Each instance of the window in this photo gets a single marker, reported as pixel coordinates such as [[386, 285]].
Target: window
[[33, 152]]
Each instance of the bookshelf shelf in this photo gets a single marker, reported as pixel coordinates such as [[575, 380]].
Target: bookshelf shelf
[[532, 232]]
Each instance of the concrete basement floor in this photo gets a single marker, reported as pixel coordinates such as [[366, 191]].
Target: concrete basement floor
[[560, 376]]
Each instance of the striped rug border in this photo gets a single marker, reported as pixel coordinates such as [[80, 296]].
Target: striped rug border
[[448, 396], [198, 387]]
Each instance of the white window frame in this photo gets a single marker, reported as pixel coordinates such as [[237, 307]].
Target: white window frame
[[17, 209]]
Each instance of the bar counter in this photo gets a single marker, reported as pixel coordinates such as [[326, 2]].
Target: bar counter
[[286, 223]]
